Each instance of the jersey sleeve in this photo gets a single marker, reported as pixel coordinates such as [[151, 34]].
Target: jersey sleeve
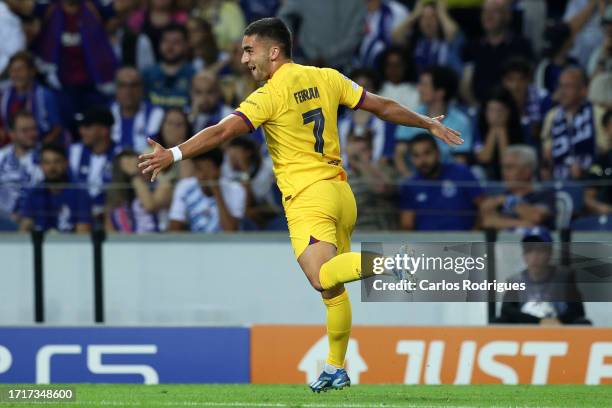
[[257, 108], [351, 94]]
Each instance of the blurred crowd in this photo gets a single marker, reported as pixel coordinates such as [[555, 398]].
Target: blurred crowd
[[528, 83]]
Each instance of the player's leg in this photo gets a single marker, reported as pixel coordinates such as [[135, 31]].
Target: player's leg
[[338, 317]]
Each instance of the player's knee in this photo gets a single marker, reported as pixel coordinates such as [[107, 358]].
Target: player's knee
[[315, 283]]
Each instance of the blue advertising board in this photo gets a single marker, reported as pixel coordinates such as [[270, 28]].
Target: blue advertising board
[[124, 355]]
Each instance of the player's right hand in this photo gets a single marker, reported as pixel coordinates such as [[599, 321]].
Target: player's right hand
[[160, 159]]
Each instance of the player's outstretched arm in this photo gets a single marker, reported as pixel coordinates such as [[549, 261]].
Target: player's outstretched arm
[[203, 141], [391, 111]]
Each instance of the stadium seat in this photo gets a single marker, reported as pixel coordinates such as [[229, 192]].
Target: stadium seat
[[593, 223]]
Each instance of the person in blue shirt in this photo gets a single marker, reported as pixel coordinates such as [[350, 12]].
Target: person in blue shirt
[[168, 83], [54, 204], [439, 196], [135, 118], [91, 160], [24, 93], [437, 89]]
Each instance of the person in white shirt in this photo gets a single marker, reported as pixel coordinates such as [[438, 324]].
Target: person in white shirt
[[206, 202], [18, 164]]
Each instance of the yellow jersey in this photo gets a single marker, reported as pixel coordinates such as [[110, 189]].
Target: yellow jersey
[[298, 109]]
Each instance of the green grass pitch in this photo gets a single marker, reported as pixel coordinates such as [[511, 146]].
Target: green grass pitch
[[358, 396]]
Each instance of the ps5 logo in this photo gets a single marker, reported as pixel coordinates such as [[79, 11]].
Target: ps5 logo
[[95, 352]]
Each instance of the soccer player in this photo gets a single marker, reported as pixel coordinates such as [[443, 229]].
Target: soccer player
[[297, 108]]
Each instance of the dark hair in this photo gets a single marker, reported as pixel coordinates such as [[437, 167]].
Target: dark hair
[[215, 155], [555, 37], [244, 142], [423, 137], [174, 28], [122, 191], [19, 114], [24, 56], [517, 64], [210, 47], [368, 73], [188, 131], [443, 78], [404, 55], [606, 118], [514, 128], [248, 144], [274, 29], [54, 149]]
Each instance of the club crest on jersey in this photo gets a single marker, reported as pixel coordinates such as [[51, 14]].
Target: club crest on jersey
[[306, 94]]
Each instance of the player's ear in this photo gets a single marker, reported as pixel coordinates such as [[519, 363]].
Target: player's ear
[[274, 53]]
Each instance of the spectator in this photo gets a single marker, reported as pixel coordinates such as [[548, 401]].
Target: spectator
[[532, 102], [357, 123], [243, 163], [134, 118], [206, 53], [131, 48], [373, 184], [572, 135], [490, 52], [167, 83], [601, 58], [395, 84], [551, 296], [499, 126], [207, 105], [13, 38], [206, 202], [521, 205], [91, 160], [23, 92], [559, 39], [155, 19], [325, 36], [598, 198], [440, 196], [226, 17], [131, 205], [437, 90], [18, 164], [77, 56], [436, 39], [52, 205], [589, 35], [174, 130], [236, 81], [382, 18]]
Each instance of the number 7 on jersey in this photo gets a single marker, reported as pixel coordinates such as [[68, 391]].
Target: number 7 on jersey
[[316, 116]]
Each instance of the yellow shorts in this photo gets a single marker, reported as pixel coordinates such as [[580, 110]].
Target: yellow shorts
[[324, 211]]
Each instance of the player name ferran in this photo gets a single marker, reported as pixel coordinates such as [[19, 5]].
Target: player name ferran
[[306, 94]]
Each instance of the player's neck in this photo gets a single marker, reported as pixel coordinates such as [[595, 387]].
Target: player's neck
[[276, 65]]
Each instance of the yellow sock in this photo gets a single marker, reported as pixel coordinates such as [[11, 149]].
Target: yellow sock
[[341, 268], [339, 320]]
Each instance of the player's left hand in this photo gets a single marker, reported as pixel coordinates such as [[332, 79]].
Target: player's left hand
[[156, 161], [448, 135]]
